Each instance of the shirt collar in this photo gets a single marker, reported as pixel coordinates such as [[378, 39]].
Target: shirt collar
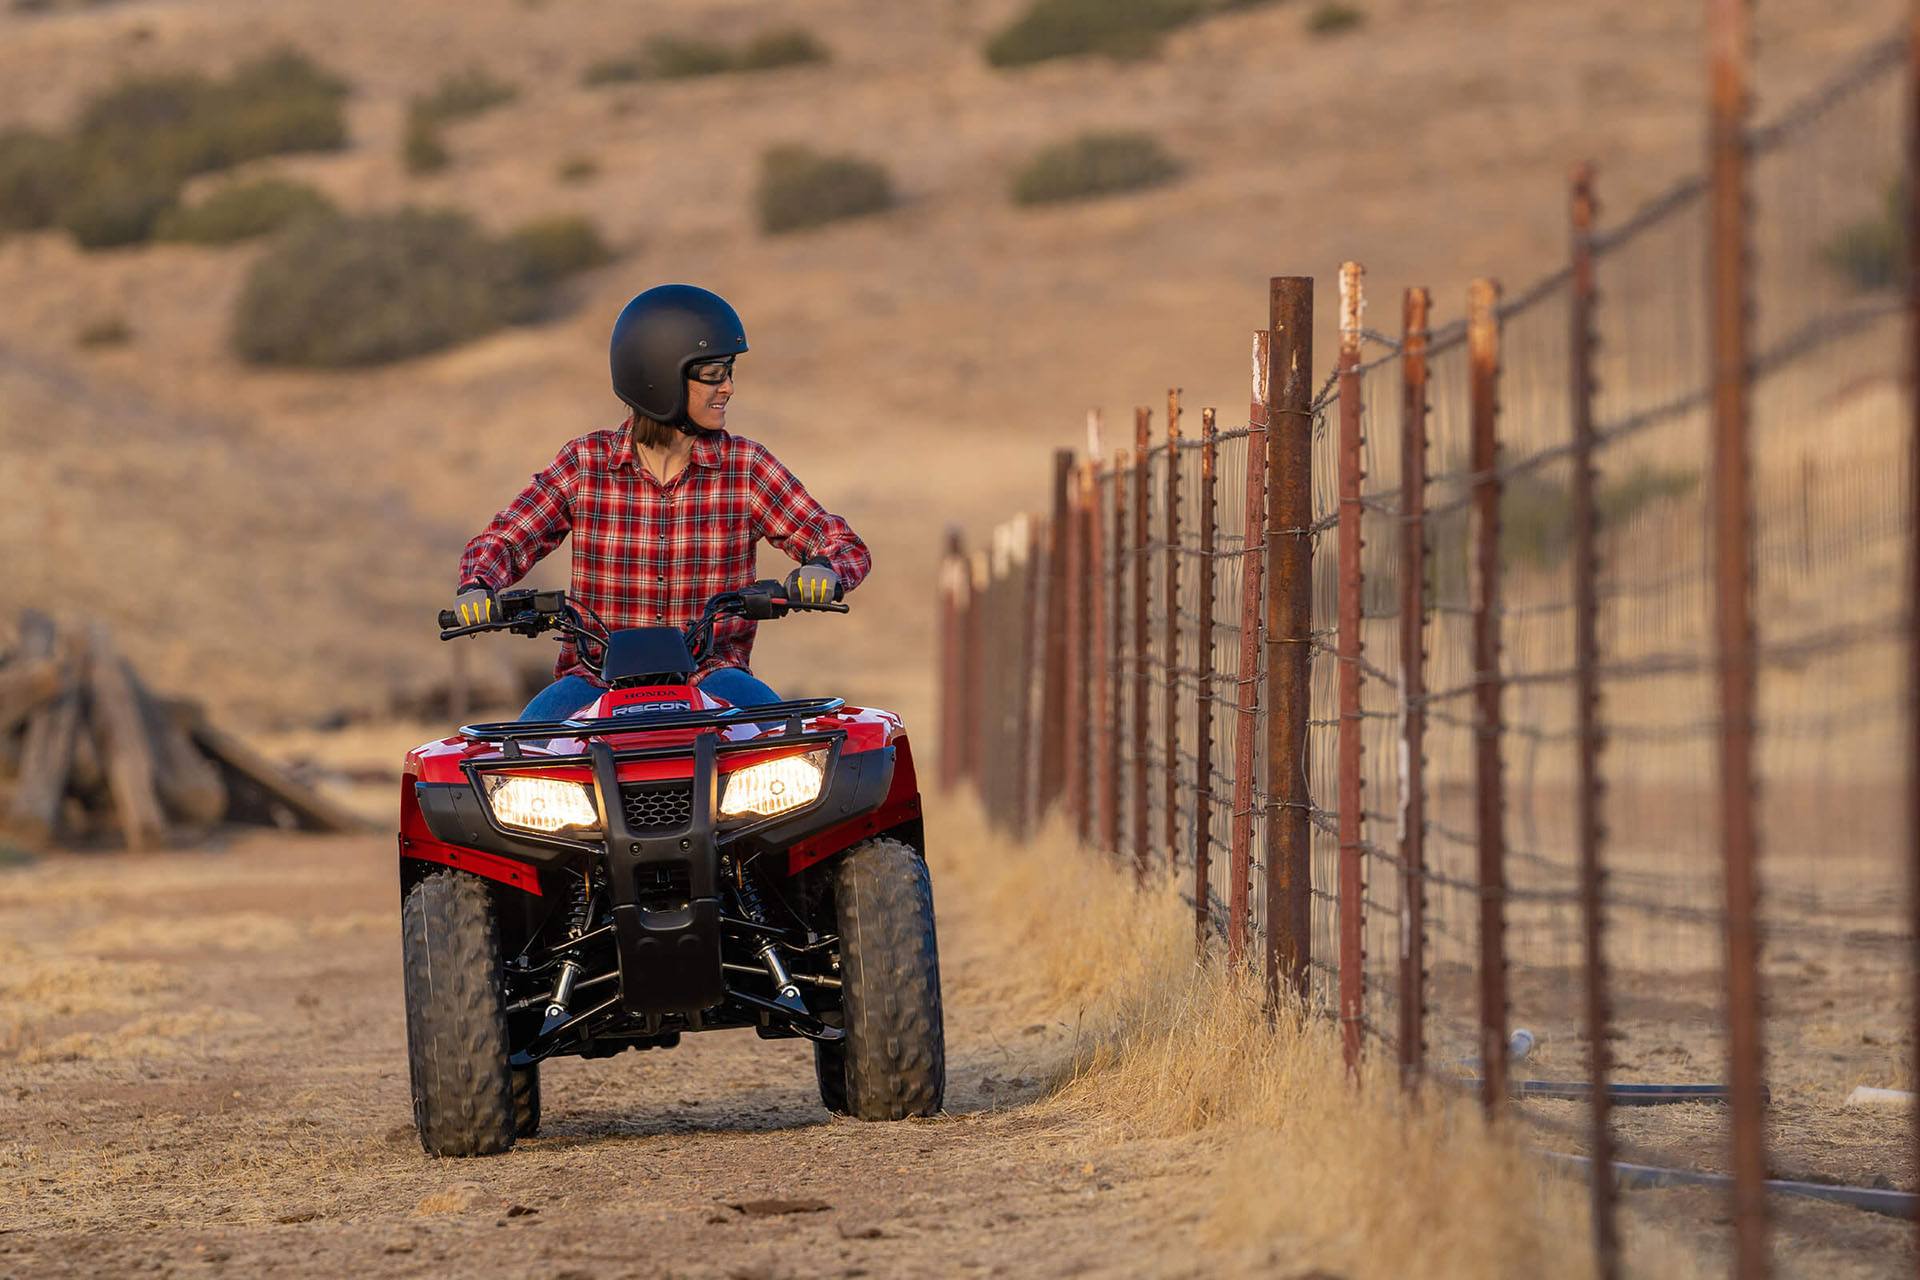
[[706, 452]]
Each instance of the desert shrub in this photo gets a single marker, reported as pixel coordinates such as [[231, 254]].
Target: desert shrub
[[276, 104], [786, 47], [36, 171], [108, 331], [1332, 18], [1094, 164], [464, 93], [800, 187], [421, 147], [1116, 28], [336, 292], [683, 57], [620, 69], [117, 202], [670, 57], [242, 211], [136, 142], [551, 249], [577, 169], [1872, 253]]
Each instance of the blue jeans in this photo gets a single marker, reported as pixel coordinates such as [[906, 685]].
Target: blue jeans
[[569, 694]]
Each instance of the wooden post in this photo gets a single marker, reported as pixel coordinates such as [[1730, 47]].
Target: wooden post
[[1289, 391], [1203, 704], [1483, 342], [1099, 823], [1246, 687], [954, 595], [1413, 668], [123, 731], [1352, 896], [46, 753], [1729, 38]]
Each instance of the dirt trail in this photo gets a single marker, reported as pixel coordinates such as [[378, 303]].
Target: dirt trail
[[202, 1071]]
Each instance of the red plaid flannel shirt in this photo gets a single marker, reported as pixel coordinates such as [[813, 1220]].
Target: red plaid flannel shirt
[[647, 554]]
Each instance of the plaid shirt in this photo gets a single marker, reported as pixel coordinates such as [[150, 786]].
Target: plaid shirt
[[649, 555]]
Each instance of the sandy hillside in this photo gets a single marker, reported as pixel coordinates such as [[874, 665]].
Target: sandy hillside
[[278, 541]]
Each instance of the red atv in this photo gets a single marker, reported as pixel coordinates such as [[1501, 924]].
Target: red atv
[[662, 862]]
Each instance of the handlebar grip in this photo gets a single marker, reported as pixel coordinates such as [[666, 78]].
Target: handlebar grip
[[449, 619]]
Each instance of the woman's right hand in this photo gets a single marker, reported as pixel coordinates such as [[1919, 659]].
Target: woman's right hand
[[475, 605]]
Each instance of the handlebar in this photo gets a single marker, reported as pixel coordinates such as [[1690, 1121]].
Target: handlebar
[[530, 612]]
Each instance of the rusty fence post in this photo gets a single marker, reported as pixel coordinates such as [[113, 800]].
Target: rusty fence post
[[1352, 977], [1142, 671], [1913, 528], [1247, 672], [1170, 652], [1203, 704], [1053, 666], [1289, 392], [1116, 667], [1729, 38], [1588, 730], [1413, 669], [1483, 342], [1073, 660]]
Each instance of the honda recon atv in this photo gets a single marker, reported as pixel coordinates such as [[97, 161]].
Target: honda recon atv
[[660, 863]]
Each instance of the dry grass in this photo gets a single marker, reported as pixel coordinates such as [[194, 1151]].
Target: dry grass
[[1355, 1177]]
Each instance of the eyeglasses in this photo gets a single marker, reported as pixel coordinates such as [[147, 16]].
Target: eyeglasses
[[711, 372]]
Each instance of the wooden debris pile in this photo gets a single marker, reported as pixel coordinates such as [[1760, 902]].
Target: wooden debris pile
[[88, 751]]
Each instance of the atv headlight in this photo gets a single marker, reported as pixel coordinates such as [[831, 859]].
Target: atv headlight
[[540, 804], [774, 786]]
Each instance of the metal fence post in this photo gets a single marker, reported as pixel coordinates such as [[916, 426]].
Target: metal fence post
[[1413, 668], [1094, 824], [1729, 37], [1289, 391], [1170, 652], [1116, 665], [1142, 675], [1483, 340], [1247, 674], [1586, 649], [1053, 686], [1203, 704], [1352, 978], [1913, 527]]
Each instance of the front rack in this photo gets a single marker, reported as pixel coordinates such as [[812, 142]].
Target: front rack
[[796, 709]]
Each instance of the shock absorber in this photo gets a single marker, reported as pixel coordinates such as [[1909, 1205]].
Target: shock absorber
[[581, 915], [769, 950]]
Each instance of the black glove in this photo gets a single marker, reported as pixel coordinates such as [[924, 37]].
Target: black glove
[[813, 583], [475, 604]]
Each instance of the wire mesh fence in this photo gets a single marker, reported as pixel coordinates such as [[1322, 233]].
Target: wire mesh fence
[[1606, 597]]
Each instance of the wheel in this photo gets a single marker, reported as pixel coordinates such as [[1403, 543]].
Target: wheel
[[895, 1052], [526, 1101], [830, 1069], [463, 1098]]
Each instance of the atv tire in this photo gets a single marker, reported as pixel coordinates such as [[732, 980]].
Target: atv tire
[[894, 1056], [463, 1095], [526, 1101]]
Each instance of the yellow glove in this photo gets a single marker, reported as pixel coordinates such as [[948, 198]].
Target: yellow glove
[[474, 605], [813, 583]]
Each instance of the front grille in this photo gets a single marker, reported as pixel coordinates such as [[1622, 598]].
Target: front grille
[[653, 807]]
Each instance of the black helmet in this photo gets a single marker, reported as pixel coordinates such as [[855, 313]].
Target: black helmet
[[658, 335]]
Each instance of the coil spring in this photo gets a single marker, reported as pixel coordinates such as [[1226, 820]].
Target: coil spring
[[582, 906], [751, 902]]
